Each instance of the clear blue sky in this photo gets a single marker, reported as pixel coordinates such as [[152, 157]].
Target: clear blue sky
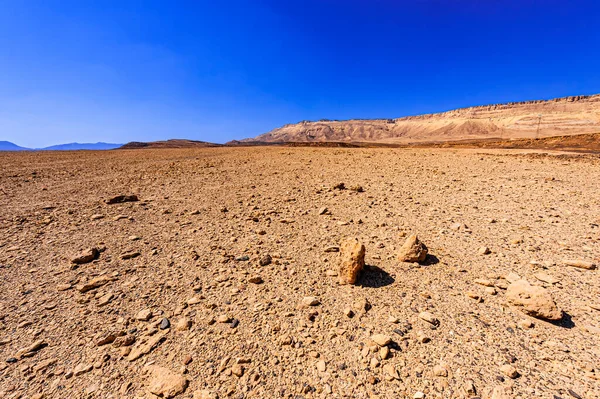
[[116, 71]]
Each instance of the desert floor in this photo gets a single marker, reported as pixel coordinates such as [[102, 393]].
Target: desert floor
[[228, 244]]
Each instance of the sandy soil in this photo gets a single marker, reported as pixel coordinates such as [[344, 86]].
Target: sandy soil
[[193, 250]]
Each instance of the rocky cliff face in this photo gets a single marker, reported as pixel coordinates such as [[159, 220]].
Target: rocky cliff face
[[528, 119]]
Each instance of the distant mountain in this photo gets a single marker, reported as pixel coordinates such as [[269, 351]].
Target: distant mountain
[[516, 120], [173, 143], [8, 146], [81, 146]]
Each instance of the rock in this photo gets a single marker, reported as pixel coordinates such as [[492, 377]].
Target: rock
[[97, 217], [130, 255], [34, 347], [532, 300], [144, 315], [105, 299], [412, 250], [429, 318], [107, 339], [391, 372], [310, 301], [164, 324], [265, 260], [490, 291], [205, 394], [381, 339], [224, 319], [348, 312], [332, 249], [512, 277], [546, 278], [323, 211], [581, 264], [237, 370], [525, 324], [124, 341], [82, 368], [183, 324], [418, 395], [422, 337], [255, 280], [165, 383], [122, 198], [93, 284], [147, 346], [321, 366], [509, 371], [484, 251], [86, 256], [352, 260], [384, 352], [440, 371], [484, 282], [499, 393]]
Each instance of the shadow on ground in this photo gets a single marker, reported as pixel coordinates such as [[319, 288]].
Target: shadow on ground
[[565, 322], [374, 277]]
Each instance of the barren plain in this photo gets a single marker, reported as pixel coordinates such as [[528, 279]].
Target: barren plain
[[220, 280]]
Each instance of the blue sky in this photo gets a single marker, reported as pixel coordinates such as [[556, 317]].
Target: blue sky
[[119, 71]]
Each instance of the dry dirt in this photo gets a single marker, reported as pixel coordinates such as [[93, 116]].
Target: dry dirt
[[196, 245]]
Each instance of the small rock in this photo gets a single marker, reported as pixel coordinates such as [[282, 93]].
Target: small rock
[[546, 278], [86, 256], [484, 251], [255, 280], [265, 260], [581, 264], [532, 300], [440, 371], [422, 337], [321, 366], [352, 260], [484, 282], [183, 324], [93, 284], [165, 383], [348, 312], [413, 250], [130, 255], [237, 370], [428, 317], [144, 315], [164, 324], [525, 324], [310, 301], [509, 371], [97, 217], [122, 198], [323, 211], [82, 368], [419, 395], [224, 319], [381, 339]]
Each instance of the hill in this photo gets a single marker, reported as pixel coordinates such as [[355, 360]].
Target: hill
[[528, 119], [8, 146], [174, 143], [81, 146]]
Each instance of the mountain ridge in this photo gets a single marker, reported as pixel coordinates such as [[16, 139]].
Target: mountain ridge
[[525, 119]]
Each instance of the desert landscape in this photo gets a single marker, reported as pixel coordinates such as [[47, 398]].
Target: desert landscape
[[238, 273]]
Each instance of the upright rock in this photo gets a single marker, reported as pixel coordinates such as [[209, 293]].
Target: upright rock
[[532, 300], [413, 250], [352, 260]]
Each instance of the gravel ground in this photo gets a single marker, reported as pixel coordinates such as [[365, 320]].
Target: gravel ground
[[221, 279]]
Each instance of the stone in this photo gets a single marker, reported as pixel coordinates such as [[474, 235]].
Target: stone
[[484, 282], [164, 324], [348, 312], [130, 255], [124, 341], [82, 368], [224, 319], [255, 280], [499, 393], [418, 395], [147, 346], [237, 370], [532, 300], [384, 352], [422, 337], [546, 278], [484, 251], [490, 291], [93, 284], [321, 366], [144, 315], [85, 256], [429, 318], [122, 198], [183, 324], [381, 339], [310, 301], [323, 211], [440, 371], [525, 324], [352, 260], [361, 305], [265, 260], [413, 250], [580, 264], [391, 372], [509, 371], [205, 394], [166, 383], [34, 347]]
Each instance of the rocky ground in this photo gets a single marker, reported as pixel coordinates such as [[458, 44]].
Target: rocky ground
[[221, 279]]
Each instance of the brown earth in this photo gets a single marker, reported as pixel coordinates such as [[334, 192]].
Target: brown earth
[[529, 119], [236, 248]]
